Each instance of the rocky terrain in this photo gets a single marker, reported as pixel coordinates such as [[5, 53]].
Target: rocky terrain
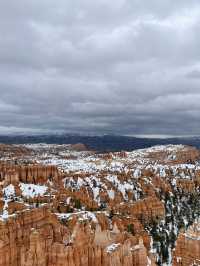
[[187, 250], [64, 205]]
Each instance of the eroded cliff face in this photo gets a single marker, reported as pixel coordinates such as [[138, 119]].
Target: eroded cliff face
[[60, 206], [34, 173], [36, 237], [187, 251]]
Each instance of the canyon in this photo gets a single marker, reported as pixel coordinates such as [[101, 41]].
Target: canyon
[[65, 205]]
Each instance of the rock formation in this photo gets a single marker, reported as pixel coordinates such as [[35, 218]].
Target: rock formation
[[61, 205], [187, 251]]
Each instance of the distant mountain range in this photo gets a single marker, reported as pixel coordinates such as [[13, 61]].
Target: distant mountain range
[[100, 143]]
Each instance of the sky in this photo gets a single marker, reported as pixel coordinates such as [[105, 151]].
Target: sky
[[128, 67]]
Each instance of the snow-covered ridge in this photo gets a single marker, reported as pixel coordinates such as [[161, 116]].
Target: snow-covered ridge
[[32, 190], [82, 215], [94, 163]]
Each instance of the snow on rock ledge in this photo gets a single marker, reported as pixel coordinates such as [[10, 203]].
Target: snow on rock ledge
[[31, 190]]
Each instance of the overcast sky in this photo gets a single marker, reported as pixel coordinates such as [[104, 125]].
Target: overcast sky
[[100, 67]]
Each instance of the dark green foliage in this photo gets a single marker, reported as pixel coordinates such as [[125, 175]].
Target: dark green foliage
[[181, 209], [130, 229], [77, 204]]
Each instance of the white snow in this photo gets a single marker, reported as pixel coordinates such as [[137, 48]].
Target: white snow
[[83, 215], [9, 191], [112, 247], [32, 190], [111, 194]]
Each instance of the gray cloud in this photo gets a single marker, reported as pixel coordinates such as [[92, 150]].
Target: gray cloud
[[129, 67]]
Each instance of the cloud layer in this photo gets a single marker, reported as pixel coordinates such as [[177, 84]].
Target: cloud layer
[[123, 67]]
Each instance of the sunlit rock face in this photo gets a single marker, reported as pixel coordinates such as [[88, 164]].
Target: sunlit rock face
[[65, 205]]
